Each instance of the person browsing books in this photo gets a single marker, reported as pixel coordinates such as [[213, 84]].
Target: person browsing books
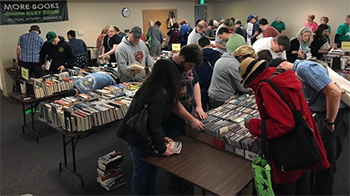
[[58, 51], [161, 91], [90, 83], [331, 115], [280, 120], [130, 51], [189, 57], [27, 51]]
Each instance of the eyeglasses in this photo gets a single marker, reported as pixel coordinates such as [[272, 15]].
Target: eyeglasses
[[280, 48]]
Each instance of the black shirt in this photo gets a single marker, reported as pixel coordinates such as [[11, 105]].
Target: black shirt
[[175, 126], [108, 43]]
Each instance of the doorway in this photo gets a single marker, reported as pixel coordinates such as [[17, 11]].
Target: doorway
[[200, 13]]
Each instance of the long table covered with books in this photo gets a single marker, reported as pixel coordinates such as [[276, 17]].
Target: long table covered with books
[[213, 170]]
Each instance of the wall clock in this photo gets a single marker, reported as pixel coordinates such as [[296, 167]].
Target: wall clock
[[125, 12]]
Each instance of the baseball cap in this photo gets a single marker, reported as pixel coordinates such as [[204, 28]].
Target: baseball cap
[[35, 28], [251, 16], [50, 36], [136, 31]]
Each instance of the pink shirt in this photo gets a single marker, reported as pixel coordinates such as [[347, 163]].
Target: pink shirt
[[313, 26]]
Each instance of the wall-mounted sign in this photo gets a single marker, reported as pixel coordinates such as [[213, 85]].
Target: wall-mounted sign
[[13, 12]]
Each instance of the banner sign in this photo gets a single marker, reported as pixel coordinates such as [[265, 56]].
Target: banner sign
[[14, 12]]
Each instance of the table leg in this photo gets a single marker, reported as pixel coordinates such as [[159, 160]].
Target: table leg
[[33, 125], [65, 164], [24, 117], [73, 154]]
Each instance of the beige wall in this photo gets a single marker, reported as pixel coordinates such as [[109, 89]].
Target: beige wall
[[292, 12], [89, 17]]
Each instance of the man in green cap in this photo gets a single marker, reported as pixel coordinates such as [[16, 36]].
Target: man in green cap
[[58, 51]]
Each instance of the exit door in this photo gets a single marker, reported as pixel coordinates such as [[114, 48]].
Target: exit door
[[200, 13]]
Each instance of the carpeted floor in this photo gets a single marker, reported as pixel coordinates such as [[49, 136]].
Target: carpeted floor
[[28, 167]]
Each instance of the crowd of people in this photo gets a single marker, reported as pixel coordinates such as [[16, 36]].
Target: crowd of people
[[205, 73]]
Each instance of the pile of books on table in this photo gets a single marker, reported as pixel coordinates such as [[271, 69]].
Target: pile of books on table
[[47, 85], [226, 123], [88, 110], [109, 173]]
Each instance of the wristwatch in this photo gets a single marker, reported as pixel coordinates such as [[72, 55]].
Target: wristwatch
[[327, 122]]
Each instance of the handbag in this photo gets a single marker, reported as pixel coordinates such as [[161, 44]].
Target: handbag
[[138, 123], [297, 149], [262, 171]]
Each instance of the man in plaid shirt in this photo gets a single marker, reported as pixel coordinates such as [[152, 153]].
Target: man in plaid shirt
[[27, 52]]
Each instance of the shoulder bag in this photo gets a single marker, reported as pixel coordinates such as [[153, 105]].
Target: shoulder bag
[[297, 149], [138, 123]]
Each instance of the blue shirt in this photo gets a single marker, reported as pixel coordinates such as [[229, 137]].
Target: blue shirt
[[93, 82], [78, 46], [30, 44], [184, 30], [255, 28], [315, 79]]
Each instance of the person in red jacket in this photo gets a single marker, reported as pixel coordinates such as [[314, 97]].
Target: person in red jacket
[[279, 119]]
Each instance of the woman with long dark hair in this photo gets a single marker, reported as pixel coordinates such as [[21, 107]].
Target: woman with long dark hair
[[320, 44], [161, 92]]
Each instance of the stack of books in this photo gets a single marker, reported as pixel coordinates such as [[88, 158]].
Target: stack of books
[[226, 123], [109, 173], [89, 110]]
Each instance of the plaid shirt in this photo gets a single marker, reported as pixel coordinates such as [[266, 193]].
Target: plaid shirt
[[30, 44]]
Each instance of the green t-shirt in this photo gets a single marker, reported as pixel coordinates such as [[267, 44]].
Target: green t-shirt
[[280, 27], [235, 41], [344, 32]]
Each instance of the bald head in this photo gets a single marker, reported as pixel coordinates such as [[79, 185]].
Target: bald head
[[202, 27]]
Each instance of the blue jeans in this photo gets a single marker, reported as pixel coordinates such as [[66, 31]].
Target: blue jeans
[[144, 174]]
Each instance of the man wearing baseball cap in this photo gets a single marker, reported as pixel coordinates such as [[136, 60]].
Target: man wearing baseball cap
[[58, 51], [256, 30], [27, 51], [129, 51]]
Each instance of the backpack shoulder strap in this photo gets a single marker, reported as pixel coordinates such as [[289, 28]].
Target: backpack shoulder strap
[[274, 87]]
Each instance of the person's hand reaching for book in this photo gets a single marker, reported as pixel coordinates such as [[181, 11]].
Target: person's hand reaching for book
[[200, 113], [197, 125], [61, 68], [168, 151], [167, 139]]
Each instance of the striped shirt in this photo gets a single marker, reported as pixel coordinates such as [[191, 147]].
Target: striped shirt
[[30, 44]]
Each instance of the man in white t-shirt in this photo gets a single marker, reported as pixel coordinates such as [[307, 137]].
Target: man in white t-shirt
[[198, 32], [277, 46]]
